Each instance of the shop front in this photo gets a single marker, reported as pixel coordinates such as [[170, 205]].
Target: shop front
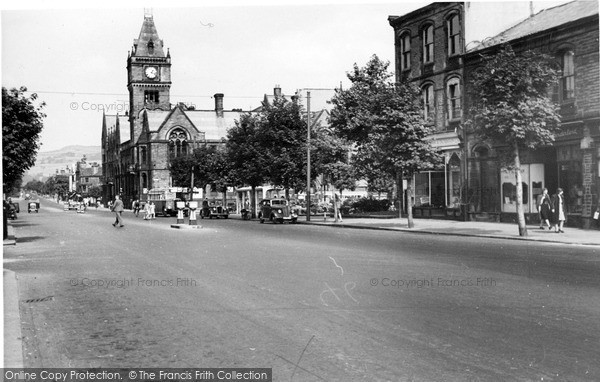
[[438, 193]]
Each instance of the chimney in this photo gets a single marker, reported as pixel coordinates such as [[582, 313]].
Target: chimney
[[277, 91], [219, 104]]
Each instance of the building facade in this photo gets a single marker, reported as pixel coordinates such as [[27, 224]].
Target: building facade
[[569, 33], [137, 146], [429, 48], [87, 176], [430, 51]]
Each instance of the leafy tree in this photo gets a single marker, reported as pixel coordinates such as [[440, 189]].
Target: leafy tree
[[245, 154], [511, 107], [21, 128], [57, 185], [209, 165], [35, 185], [385, 122], [331, 158], [282, 136], [95, 192]]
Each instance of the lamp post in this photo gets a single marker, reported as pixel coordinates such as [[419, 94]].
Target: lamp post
[[308, 148], [308, 156]]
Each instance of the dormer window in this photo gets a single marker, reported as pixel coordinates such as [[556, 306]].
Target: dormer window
[[150, 47]]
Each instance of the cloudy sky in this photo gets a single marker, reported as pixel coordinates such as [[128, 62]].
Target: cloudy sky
[[75, 57]]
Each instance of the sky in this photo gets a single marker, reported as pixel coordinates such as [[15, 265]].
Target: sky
[[75, 57]]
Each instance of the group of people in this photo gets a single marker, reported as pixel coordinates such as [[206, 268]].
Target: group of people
[[118, 207], [552, 210]]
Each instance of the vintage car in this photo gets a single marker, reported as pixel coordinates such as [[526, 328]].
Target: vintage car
[[213, 210], [33, 206], [277, 211]]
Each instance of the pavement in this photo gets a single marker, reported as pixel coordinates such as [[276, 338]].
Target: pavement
[[510, 231], [571, 236]]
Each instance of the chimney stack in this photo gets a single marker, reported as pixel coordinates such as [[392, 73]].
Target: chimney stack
[[219, 104]]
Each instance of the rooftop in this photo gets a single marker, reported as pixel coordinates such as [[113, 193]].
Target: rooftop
[[543, 20]]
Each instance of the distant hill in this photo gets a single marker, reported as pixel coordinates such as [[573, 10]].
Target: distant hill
[[47, 162]]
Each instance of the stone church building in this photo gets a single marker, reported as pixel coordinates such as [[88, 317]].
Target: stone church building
[[136, 147]]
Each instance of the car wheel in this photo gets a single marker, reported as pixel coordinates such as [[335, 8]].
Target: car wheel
[[262, 220], [280, 221], [294, 221]]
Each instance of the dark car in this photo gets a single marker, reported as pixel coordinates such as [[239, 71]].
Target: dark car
[[213, 210], [277, 211]]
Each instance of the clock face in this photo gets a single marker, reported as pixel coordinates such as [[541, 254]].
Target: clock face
[[151, 72]]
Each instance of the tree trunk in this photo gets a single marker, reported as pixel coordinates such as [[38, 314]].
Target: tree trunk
[[399, 195], [225, 197], [409, 203], [520, 211], [335, 207]]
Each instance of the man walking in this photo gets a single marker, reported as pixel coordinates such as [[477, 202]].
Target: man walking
[[117, 208]]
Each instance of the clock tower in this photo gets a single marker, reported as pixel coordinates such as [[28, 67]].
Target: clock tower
[[148, 72]]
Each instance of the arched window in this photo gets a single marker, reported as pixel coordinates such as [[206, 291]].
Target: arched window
[[453, 95], [150, 47], [177, 143], [405, 51], [428, 102], [453, 30], [427, 37], [143, 155], [567, 82], [144, 180]]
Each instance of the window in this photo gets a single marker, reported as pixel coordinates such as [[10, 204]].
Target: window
[[143, 155], [428, 103], [144, 180], [405, 51], [428, 44], [178, 143], [151, 96], [568, 76], [453, 96], [453, 26], [150, 47]]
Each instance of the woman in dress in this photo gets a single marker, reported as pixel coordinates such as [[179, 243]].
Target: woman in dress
[[545, 209], [558, 210]]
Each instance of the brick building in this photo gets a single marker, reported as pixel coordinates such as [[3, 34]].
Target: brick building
[[87, 175], [429, 45], [137, 146], [569, 33]]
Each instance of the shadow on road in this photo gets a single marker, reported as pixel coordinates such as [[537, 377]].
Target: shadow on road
[[29, 239]]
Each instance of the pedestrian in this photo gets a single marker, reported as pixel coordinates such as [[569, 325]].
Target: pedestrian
[[118, 208], [136, 208], [558, 210], [338, 208], [597, 216], [544, 205], [151, 211]]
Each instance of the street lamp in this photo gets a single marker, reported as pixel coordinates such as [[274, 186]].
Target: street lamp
[[308, 149]]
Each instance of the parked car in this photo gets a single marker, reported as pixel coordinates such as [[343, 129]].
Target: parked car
[[213, 209], [277, 211]]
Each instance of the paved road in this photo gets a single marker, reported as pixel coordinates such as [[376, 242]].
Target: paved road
[[313, 303]]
